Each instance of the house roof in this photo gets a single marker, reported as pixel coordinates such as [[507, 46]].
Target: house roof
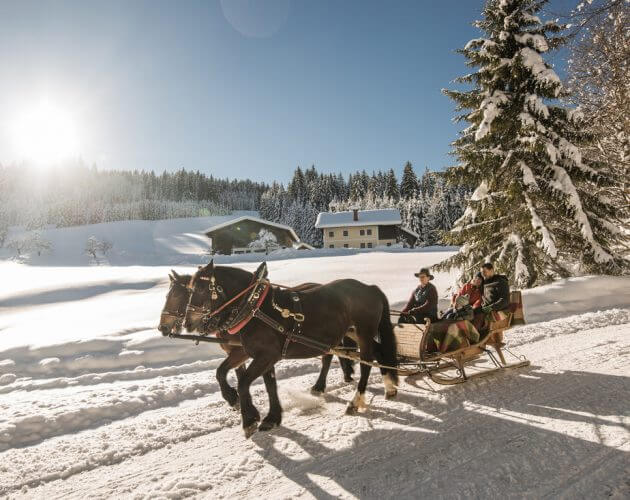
[[231, 222], [382, 217]]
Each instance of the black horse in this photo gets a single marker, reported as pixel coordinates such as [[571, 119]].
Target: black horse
[[274, 323], [171, 322]]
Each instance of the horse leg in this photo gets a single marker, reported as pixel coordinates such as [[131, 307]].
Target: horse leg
[[358, 401], [249, 413], [347, 368], [320, 385], [347, 364], [367, 354], [274, 417], [236, 357]]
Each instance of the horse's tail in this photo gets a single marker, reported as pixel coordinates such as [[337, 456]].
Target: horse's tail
[[387, 344]]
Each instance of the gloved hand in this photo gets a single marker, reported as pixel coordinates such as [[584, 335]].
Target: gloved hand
[[486, 309]]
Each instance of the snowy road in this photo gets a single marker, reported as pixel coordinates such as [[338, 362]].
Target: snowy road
[[104, 407], [557, 428]]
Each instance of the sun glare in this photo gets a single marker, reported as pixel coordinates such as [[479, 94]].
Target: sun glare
[[45, 135]]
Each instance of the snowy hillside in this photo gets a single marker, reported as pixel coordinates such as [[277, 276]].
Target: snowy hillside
[[94, 401], [136, 242]]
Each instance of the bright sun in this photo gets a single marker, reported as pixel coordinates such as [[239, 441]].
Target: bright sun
[[45, 135]]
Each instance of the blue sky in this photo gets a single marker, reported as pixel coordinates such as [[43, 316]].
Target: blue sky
[[244, 89]]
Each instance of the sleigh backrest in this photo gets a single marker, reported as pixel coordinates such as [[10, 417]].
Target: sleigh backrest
[[516, 306]]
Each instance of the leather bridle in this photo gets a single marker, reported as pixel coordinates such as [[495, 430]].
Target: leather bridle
[[178, 316]]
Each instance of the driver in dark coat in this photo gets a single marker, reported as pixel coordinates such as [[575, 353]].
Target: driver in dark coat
[[423, 303]]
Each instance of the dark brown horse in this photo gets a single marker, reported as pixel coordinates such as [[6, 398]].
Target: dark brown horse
[[171, 322], [274, 323]]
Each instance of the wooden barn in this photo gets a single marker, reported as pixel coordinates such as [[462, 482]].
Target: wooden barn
[[249, 234]]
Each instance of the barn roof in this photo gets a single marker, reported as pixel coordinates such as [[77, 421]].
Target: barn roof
[[381, 217], [302, 244], [264, 222], [409, 231]]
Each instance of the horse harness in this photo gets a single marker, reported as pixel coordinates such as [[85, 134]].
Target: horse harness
[[179, 316], [250, 308]]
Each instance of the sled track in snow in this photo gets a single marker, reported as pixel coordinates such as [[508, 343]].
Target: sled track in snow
[[558, 428]]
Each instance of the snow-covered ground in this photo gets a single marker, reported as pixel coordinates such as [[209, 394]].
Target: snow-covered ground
[[135, 242], [95, 402]]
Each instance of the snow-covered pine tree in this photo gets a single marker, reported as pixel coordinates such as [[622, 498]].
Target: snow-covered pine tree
[[391, 186], [297, 187], [358, 190], [409, 183], [533, 212], [427, 183], [599, 80]]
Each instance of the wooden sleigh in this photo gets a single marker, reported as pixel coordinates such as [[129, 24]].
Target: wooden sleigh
[[416, 356]]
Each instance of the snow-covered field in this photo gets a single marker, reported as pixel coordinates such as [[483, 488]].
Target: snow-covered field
[[95, 402]]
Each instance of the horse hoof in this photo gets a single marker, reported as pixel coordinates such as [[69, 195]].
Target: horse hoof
[[348, 379], [352, 410], [391, 394], [316, 392], [250, 429], [266, 425], [235, 406]]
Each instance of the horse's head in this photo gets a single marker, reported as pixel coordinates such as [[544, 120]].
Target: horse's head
[[210, 288], [174, 310]]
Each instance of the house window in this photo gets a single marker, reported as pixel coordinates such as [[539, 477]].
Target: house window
[[345, 233], [345, 245], [369, 232], [362, 245], [331, 246], [369, 245], [331, 234], [362, 232]]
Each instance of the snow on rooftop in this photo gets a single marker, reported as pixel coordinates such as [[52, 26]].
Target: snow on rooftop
[[383, 217], [231, 222]]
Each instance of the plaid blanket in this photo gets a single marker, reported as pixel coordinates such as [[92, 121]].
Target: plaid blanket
[[447, 335]]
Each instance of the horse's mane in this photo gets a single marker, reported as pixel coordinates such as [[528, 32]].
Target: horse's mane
[[240, 273]]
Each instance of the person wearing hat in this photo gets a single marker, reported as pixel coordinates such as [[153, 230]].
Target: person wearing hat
[[423, 303]]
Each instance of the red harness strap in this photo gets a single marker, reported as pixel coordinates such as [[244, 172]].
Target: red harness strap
[[238, 327], [217, 311]]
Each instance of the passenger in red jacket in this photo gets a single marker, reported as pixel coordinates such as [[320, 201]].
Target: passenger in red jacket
[[473, 290]]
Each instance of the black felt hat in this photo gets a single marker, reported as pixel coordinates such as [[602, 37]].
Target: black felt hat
[[424, 270]]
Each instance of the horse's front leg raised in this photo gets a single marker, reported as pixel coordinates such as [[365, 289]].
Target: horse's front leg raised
[[249, 413], [274, 417], [236, 357]]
